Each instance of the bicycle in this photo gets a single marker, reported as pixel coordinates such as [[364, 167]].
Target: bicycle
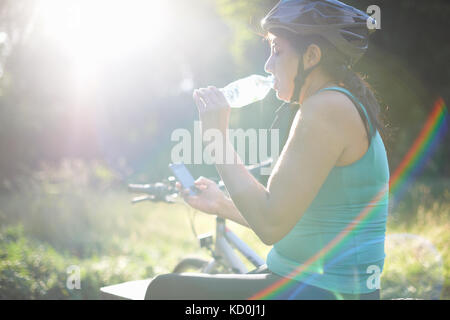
[[223, 256]]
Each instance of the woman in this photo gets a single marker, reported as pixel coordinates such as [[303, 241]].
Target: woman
[[332, 167]]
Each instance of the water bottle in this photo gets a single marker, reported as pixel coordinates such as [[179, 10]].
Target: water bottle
[[247, 90]]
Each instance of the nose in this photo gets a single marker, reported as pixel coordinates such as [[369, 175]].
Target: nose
[[269, 65]]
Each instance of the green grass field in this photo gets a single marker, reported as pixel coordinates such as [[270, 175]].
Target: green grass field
[[50, 227]]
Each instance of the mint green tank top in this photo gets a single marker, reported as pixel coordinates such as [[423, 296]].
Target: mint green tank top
[[355, 263]]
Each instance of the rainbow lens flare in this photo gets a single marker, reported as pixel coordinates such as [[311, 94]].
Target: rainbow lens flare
[[421, 150]]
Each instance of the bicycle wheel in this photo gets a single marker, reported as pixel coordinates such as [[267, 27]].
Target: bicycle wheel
[[190, 265]]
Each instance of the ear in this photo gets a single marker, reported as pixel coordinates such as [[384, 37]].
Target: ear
[[312, 56]]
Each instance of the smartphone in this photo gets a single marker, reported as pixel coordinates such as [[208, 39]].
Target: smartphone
[[184, 177]]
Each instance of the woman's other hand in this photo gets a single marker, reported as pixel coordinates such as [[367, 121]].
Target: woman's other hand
[[209, 197]]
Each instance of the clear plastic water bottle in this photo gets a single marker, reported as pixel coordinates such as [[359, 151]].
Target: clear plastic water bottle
[[247, 90]]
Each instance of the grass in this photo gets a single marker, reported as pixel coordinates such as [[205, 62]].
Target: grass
[[418, 255], [54, 225]]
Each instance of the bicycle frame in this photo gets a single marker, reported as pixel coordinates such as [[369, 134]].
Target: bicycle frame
[[225, 244], [225, 241]]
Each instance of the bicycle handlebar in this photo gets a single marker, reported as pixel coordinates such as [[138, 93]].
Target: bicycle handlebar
[[152, 189], [162, 192], [155, 192]]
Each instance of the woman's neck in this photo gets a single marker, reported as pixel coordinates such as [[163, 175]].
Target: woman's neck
[[314, 82]]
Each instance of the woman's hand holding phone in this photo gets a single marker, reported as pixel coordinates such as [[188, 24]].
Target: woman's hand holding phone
[[209, 198]]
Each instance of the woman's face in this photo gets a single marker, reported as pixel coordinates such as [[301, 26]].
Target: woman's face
[[283, 64]]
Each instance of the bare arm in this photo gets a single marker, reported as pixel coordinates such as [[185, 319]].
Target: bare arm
[[314, 146], [228, 210], [210, 199]]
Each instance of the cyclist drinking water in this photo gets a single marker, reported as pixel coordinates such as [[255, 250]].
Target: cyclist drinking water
[[331, 169]]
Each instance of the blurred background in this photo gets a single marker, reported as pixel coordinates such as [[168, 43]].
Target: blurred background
[[90, 92]]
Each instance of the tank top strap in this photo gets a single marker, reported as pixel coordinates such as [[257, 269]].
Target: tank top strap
[[354, 100]]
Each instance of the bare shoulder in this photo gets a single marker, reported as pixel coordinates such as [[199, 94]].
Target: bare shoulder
[[330, 105], [336, 111], [319, 124], [326, 112]]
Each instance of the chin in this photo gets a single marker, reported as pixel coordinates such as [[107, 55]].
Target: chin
[[282, 96]]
